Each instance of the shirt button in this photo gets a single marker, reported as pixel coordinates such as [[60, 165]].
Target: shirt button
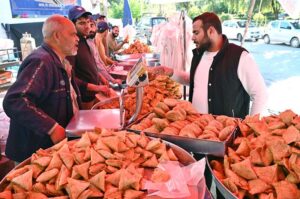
[[209, 99], [211, 68], [209, 84]]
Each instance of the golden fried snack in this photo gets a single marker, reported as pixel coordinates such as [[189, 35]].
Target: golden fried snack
[[160, 123], [170, 131], [163, 106], [175, 115], [159, 112], [171, 102]]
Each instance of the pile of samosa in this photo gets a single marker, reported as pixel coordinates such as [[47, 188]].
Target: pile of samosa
[[101, 164], [264, 161], [180, 118], [159, 88]]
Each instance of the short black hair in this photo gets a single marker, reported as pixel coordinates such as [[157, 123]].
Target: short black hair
[[114, 27], [210, 19]]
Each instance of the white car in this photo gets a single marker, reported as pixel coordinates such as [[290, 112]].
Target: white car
[[283, 31], [234, 29]]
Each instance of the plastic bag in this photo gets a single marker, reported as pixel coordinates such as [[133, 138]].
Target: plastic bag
[[180, 178]]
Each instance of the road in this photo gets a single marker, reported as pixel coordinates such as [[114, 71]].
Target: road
[[279, 65]]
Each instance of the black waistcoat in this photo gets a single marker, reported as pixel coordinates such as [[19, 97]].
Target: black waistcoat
[[226, 94]]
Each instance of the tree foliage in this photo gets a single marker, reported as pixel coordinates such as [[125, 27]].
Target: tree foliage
[[230, 8]]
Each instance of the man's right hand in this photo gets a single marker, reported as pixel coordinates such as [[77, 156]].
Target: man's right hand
[[126, 40], [58, 134]]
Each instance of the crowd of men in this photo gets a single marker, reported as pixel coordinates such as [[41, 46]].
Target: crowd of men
[[57, 79]]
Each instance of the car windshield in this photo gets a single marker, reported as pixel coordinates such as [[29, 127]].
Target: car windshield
[[242, 24], [158, 21], [296, 25]]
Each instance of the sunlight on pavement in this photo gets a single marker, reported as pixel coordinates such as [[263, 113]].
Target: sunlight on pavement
[[276, 53], [284, 94]]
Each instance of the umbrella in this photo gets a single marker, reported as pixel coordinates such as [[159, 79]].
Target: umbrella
[[127, 17]]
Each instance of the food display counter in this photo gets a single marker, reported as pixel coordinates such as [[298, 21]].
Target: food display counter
[[251, 158]]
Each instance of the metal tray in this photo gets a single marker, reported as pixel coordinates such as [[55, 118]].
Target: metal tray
[[152, 59], [87, 120], [185, 158], [136, 56], [224, 191], [127, 65], [202, 146], [121, 74]]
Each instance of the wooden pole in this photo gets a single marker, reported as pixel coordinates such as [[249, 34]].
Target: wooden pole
[[250, 12]]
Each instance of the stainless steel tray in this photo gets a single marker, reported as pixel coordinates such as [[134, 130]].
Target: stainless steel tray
[[126, 57], [202, 146], [121, 74], [224, 191], [86, 120], [152, 59]]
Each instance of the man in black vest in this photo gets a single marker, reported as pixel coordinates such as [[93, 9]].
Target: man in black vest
[[223, 76]]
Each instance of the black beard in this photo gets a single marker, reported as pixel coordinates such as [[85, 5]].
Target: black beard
[[92, 35], [114, 35], [206, 44]]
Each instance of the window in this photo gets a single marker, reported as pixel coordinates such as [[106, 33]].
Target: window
[[285, 25], [226, 23], [296, 25], [157, 21], [274, 24]]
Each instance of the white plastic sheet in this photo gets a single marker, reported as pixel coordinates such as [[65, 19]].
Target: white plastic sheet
[[181, 178]]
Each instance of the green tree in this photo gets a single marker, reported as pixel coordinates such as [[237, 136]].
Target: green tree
[[275, 7], [193, 12], [115, 10]]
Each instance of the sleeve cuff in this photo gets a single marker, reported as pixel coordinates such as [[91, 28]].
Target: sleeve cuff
[[52, 129]]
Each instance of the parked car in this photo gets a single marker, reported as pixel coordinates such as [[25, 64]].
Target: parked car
[[144, 27], [234, 29], [284, 31]]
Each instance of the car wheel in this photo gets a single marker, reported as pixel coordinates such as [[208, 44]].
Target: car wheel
[[295, 42], [267, 39], [239, 37]]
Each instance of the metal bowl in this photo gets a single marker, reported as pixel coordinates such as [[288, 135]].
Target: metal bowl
[[224, 191], [183, 156]]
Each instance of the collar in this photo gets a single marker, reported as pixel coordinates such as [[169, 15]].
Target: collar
[[53, 54]]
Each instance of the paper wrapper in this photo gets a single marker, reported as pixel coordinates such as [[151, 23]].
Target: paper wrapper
[[180, 180]]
